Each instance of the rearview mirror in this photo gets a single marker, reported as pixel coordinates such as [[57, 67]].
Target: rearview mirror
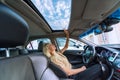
[[102, 28]]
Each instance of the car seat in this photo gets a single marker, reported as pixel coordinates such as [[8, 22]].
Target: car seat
[[14, 31], [40, 46]]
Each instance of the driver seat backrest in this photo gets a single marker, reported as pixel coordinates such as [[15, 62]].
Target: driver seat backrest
[[40, 46]]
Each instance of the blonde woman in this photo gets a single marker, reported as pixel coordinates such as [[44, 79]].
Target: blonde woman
[[59, 59]]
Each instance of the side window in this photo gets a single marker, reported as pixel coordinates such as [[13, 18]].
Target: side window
[[33, 45], [73, 44]]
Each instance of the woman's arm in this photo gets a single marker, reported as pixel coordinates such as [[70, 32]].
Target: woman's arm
[[67, 41], [70, 72]]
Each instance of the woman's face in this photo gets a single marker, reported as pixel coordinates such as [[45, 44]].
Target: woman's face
[[51, 47]]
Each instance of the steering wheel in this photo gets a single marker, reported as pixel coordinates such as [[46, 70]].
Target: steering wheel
[[88, 54]]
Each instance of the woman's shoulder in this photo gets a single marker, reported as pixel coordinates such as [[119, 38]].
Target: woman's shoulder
[[58, 52]]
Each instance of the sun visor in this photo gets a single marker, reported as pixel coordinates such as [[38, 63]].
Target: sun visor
[[96, 9]]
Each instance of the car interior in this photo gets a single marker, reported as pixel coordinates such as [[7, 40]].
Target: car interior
[[21, 23], [30, 67]]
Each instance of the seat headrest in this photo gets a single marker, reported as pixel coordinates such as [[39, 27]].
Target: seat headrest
[[13, 28], [40, 46]]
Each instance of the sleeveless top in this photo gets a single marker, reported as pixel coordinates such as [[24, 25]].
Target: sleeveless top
[[60, 60]]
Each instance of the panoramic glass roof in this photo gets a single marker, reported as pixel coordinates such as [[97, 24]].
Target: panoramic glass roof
[[56, 12]]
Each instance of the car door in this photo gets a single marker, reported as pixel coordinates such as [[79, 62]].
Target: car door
[[74, 51]]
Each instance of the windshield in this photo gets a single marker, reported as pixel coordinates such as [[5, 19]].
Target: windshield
[[112, 37], [56, 12], [107, 32]]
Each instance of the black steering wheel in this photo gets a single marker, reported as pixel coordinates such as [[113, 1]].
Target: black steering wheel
[[88, 54]]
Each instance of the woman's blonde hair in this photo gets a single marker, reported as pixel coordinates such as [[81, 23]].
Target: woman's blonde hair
[[46, 50]]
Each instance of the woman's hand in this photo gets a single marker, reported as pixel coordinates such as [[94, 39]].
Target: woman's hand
[[83, 68], [66, 32], [70, 72]]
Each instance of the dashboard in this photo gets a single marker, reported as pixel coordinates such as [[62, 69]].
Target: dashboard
[[112, 57], [110, 54]]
